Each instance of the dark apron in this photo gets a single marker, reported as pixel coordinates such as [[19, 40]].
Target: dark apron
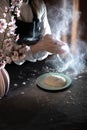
[[29, 33]]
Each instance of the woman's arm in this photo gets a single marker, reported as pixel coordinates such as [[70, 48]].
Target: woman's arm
[[21, 53], [44, 19], [47, 29]]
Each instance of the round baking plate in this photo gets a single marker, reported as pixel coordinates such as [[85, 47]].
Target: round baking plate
[[41, 84]]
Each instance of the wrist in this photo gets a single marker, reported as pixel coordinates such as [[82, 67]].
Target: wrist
[[30, 55], [37, 47]]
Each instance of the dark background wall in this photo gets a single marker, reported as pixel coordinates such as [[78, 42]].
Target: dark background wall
[[83, 14], [83, 18]]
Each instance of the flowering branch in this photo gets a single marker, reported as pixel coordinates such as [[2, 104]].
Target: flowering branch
[[9, 50]]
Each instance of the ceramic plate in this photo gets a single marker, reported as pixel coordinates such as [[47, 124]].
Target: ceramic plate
[[41, 84]]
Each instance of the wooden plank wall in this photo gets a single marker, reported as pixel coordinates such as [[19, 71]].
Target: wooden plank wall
[[83, 15]]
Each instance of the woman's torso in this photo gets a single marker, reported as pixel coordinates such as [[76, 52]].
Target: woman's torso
[[29, 26]]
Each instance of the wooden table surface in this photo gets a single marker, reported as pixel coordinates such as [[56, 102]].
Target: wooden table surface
[[27, 107]]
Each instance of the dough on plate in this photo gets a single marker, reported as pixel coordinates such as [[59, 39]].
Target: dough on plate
[[55, 81]]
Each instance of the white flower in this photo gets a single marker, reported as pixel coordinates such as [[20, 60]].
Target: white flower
[[11, 27], [16, 2], [17, 11], [3, 25], [11, 24], [4, 14], [7, 44], [6, 9], [11, 33]]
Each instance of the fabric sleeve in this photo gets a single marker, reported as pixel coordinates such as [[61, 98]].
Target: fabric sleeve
[[44, 19], [36, 57]]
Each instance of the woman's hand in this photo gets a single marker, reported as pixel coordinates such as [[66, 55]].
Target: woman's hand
[[50, 44]]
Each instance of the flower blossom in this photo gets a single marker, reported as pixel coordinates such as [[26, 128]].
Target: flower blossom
[[11, 24], [17, 11], [7, 44], [16, 3], [3, 25], [12, 27]]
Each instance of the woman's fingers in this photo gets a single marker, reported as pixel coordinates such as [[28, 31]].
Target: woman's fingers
[[52, 45]]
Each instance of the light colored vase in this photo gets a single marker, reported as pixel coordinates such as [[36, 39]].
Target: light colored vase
[[4, 80]]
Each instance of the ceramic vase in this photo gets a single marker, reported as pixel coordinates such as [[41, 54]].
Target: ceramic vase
[[4, 80]]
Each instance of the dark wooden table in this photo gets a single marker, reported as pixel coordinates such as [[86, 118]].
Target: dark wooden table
[[27, 107]]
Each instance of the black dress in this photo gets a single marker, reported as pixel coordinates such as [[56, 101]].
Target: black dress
[[29, 32]]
